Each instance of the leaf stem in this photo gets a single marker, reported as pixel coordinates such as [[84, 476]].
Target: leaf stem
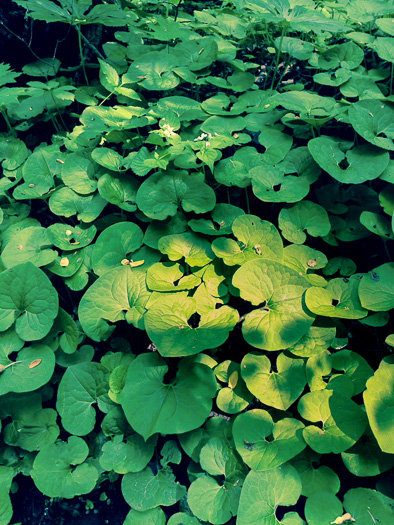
[[278, 55], [9, 125], [78, 27], [247, 200]]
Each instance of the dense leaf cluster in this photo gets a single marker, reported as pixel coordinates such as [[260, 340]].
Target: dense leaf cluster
[[216, 184]]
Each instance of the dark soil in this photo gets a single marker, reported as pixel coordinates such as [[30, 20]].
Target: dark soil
[[31, 507]]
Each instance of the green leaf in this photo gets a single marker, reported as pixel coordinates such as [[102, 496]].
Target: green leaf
[[316, 340], [373, 120], [234, 171], [181, 518], [306, 104], [29, 245], [235, 397], [39, 171], [169, 324], [32, 427], [305, 261], [343, 421], [263, 492], [386, 25], [27, 298], [281, 320], [115, 244], [278, 389], [28, 374], [345, 266], [66, 202], [368, 507], [109, 77], [154, 71], [384, 47], [347, 55], [322, 507], [162, 193], [144, 490], [365, 458], [7, 75], [299, 49], [169, 277], [130, 454], [270, 184], [45, 10], [195, 249], [64, 333], [158, 229], [376, 289], [212, 501], [314, 478], [217, 458], [70, 238], [357, 165], [81, 386], [120, 190], [118, 295], [108, 15], [13, 152], [354, 366], [60, 470], [378, 403], [257, 239], [276, 144], [6, 476], [338, 299], [223, 216], [45, 67], [251, 430], [153, 406], [78, 173], [304, 215], [154, 516]]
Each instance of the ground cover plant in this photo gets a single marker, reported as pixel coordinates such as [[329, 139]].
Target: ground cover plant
[[196, 223]]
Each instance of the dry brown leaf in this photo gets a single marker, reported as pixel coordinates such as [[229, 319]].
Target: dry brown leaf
[[35, 363]]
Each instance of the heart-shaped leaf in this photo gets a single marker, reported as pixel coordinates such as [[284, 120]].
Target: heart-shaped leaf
[[60, 470], [161, 195], [361, 163], [81, 386], [281, 319], [195, 249], [376, 289], [304, 215], [277, 389], [179, 406], [338, 299], [27, 298], [114, 244], [169, 324], [343, 421], [373, 120], [32, 245], [251, 430], [126, 455], [256, 239], [118, 295], [263, 492]]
